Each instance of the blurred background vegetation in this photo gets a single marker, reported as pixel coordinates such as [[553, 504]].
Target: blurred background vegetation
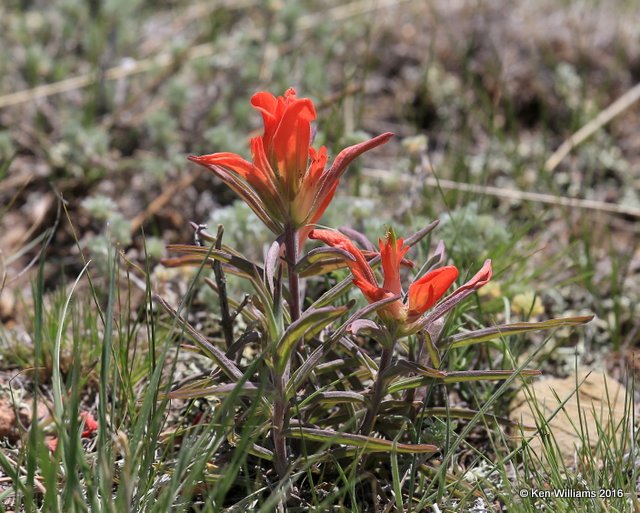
[[100, 102]]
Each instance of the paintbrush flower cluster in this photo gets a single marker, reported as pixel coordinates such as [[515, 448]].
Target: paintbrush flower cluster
[[316, 348]]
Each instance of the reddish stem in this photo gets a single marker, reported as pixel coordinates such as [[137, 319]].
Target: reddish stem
[[377, 393], [291, 256]]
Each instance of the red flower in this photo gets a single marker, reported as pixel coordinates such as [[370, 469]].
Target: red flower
[[52, 444], [90, 424], [90, 427], [423, 293], [286, 182]]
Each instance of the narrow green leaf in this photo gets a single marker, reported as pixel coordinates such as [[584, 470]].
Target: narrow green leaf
[[226, 365], [405, 367], [323, 260], [421, 234], [56, 378], [244, 389], [458, 377], [507, 330], [225, 257], [260, 452], [463, 413], [306, 327], [334, 397], [491, 375], [366, 443], [333, 293], [395, 475], [432, 349]]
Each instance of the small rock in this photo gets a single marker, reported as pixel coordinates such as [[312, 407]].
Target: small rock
[[598, 394], [8, 428]]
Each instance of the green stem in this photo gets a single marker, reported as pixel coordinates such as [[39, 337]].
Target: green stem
[[377, 393]]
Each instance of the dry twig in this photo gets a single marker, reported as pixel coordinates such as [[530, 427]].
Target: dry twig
[[514, 194], [616, 108]]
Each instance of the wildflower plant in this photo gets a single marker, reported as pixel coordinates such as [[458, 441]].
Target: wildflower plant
[[338, 376]]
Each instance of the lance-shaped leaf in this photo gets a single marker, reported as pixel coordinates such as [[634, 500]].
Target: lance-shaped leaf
[[405, 368], [355, 350], [306, 327], [507, 330], [431, 346], [370, 308], [225, 257], [342, 161], [313, 362], [368, 328], [197, 261], [260, 452], [330, 366], [358, 237], [333, 397], [236, 440], [489, 375], [421, 234], [334, 292], [226, 365], [322, 260], [458, 377], [366, 443], [193, 392]]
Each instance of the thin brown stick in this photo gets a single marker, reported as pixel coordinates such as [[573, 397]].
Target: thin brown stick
[[613, 110], [158, 203], [221, 282], [513, 194], [20, 180]]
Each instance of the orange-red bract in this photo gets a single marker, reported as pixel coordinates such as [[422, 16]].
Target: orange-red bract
[[423, 293], [287, 182]]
